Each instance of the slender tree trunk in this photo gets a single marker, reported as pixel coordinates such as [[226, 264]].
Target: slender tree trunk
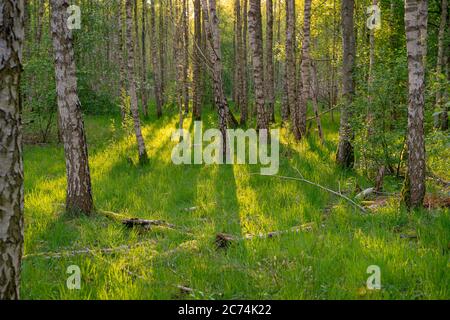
[[144, 93], [370, 116], [122, 89], [244, 101], [441, 61], [237, 85], [255, 33], [155, 61], [270, 85], [197, 62], [179, 56], [79, 196], [143, 158], [345, 154], [11, 164], [315, 90], [186, 56], [416, 37], [162, 49], [212, 32], [290, 67], [305, 67]]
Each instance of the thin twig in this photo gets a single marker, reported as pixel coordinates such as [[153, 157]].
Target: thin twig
[[339, 194]]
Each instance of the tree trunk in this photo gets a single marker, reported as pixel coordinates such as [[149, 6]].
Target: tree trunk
[[179, 56], [237, 85], [255, 33], [305, 68], [162, 50], [315, 90], [197, 62], [212, 32], [244, 101], [122, 90], [144, 93], [345, 155], [441, 61], [79, 196], [155, 61], [143, 158], [186, 56], [270, 85], [416, 29], [11, 164], [370, 117], [290, 67]]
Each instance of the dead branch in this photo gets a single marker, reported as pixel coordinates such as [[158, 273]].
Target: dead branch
[[339, 194], [73, 253], [224, 240], [322, 113], [134, 222]]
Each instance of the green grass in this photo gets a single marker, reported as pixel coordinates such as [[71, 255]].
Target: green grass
[[327, 262]]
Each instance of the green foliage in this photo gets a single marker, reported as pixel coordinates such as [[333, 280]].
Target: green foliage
[[327, 262]]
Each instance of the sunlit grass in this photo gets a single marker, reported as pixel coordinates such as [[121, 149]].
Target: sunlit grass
[[327, 262]]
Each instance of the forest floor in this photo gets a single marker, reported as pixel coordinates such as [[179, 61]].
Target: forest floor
[[327, 259]]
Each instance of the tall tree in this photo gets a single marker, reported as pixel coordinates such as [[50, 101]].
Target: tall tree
[[197, 62], [244, 84], [143, 158], [305, 67], [185, 22], [162, 48], [416, 15], [179, 57], [290, 68], [155, 60], [122, 90], [215, 57], [11, 164], [238, 66], [345, 154], [441, 61], [255, 32], [144, 94], [270, 84], [79, 196]]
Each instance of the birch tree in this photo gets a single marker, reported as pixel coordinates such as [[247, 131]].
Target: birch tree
[[255, 32], [416, 13], [345, 154], [143, 158], [155, 60], [11, 164], [197, 62], [441, 61], [305, 67], [270, 85], [212, 32], [79, 196], [290, 68]]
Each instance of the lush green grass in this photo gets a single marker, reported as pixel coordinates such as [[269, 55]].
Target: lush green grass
[[327, 262]]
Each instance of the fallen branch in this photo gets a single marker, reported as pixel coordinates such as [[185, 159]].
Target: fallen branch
[[339, 194], [133, 222], [223, 240], [72, 253], [322, 113]]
